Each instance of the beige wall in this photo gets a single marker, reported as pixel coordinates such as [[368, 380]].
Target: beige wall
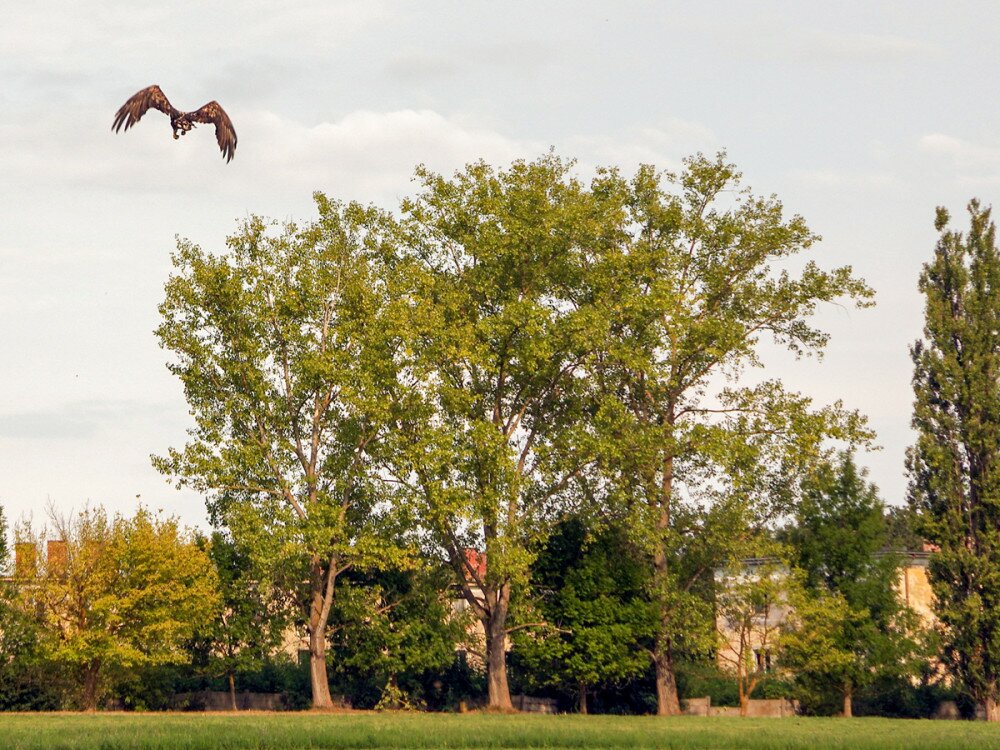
[[914, 589]]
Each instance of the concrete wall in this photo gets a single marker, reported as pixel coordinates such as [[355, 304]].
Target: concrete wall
[[218, 700], [533, 705], [758, 707]]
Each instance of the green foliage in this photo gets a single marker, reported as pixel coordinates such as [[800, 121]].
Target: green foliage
[[286, 347], [252, 617], [516, 345], [502, 321], [595, 609], [130, 593], [849, 627], [818, 650], [568, 342], [839, 528], [498, 335], [953, 466], [392, 635], [901, 528], [694, 282], [27, 681]]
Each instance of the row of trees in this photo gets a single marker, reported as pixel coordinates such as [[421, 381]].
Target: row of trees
[[137, 609], [140, 612], [515, 351], [822, 610], [511, 346]]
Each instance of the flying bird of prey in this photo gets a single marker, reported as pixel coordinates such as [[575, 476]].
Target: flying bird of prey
[[133, 110]]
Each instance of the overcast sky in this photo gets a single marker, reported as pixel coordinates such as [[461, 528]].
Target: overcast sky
[[860, 116]]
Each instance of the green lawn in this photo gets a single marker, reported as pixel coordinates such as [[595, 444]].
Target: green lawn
[[295, 731]]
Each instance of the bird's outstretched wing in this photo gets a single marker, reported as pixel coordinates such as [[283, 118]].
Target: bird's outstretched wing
[[224, 132], [132, 110]]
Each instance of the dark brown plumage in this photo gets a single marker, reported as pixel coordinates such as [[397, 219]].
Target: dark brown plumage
[[152, 97]]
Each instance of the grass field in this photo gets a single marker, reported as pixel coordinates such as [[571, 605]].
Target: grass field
[[297, 731]]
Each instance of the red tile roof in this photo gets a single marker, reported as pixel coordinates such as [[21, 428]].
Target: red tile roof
[[475, 560]]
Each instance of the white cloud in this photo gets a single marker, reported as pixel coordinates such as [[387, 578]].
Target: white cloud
[[842, 178], [865, 47], [56, 35], [371, 154], [970, 162], [365, 154]]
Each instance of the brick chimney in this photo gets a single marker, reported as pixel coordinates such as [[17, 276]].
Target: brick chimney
[[56, 557], [25, 560]]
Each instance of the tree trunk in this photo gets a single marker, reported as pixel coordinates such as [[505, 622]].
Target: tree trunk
[[583, 699], [319, 614], [667, 701], [232, 692], [318, 679], [498, 693], [91, 676], [992, 709], [848, 702]]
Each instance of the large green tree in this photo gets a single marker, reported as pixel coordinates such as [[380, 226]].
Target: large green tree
[[500, 328], [286, 348], [392, 633], [253, 616], [851, 627], [591, 586], [128, 593], [701, 276], [954, 466]]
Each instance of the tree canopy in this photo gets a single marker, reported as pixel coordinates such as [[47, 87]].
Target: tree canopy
[[127, 593], [849, 627], [692, 444], [954, 465], [285, 347]]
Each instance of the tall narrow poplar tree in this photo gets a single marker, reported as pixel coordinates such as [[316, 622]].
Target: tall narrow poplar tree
[[954, 466]]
